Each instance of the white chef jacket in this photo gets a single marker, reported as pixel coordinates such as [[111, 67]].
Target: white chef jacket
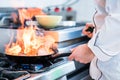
[[105, 42]]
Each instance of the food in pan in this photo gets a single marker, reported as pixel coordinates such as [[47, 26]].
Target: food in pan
[[30, 42]]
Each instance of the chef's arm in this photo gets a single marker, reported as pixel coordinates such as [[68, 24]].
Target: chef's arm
[[105, 44]]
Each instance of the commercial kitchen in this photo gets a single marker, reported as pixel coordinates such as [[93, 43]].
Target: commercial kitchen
[[67, 35]]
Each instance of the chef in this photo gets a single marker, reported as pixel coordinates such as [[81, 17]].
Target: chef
[[103, 49]]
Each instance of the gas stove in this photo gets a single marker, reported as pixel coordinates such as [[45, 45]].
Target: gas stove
[[66, 37], [59, 69], [54, 70]]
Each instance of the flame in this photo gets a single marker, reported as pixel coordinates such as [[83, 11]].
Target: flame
[[29, 44]]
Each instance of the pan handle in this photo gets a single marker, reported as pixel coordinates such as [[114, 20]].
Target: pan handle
[[57, 54], [60, 55]]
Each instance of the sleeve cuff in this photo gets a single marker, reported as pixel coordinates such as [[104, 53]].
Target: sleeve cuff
[[99, 54], [97, 51]]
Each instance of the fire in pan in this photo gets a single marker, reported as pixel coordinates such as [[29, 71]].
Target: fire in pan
[[31, 46]]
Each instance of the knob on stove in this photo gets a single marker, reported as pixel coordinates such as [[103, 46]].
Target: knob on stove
[[57, 9], [69, 9]]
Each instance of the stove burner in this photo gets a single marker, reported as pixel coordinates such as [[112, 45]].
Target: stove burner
[[32, 68], [35, 68]]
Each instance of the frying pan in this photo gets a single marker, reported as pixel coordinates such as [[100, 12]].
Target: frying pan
[[35, 59]]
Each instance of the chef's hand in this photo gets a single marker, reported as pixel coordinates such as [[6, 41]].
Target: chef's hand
[[82, 54], [88, 30]]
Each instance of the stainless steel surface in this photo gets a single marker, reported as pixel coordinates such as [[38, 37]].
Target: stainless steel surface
[[5, 16], [82, 76], [70, 33], [66, 34], [67, 23], [68, 48], [5, 20], [56, 72], [5, 35], [82, 71], [63, 78]]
